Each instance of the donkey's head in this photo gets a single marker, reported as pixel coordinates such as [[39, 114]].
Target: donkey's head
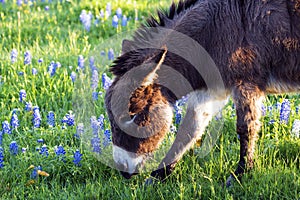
[[139, 109]]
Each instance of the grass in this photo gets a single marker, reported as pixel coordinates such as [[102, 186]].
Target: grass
[[58, 35]]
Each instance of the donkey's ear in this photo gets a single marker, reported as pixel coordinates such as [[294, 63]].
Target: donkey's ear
[[126, 46], [152, 75]]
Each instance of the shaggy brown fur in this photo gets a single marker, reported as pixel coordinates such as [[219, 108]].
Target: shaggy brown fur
[[255, 45]]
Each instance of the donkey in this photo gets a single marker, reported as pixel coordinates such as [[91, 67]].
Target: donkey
[[208, 50]]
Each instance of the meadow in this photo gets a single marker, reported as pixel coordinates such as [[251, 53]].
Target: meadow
[[54, 132]]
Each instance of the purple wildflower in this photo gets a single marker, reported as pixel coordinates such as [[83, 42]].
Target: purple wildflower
[[95, 125], [285, 111], [81, 62], [1, 137], [79, 130], [296, 128], [51, 119], [13, 148], [47, 8], [19, 2], [36, 120], [73, 76], [40, 60], [124, 20], [1, 157], [52, 68], [22, 95], [92, 63], [28, 106], [34, 71], [77, 158], [40, 140], [95, 143], [27, 58], [95, 80], [106, 81], [14, 55], [24, 150], [95, 96], [34, 173], [108, 9], [119, 13], [107, 138], [69, 119], [86, 19], [101, 121], [115, 21], [44, 151], [111, 54], [6, 127], [60, 152], [14, 121]]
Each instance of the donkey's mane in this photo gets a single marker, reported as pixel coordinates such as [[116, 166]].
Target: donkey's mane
[[165, 18]]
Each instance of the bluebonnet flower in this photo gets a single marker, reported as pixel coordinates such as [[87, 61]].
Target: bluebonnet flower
[[40, 60], [297, 109], [101, 121], [22, 95], [6, 127], [285, 111], [1, 138], [27, 58], [60, 152], [13, 148], [24, 150], [44, 151], [95, 96], [20, 73], [77, 158], [124, 20], [119, 13], [69, 119], [36, 120], [19, 2], [40, 140], [111, 54], [92, 63], [52, 68], [108, 9], [73, 76], [81, 62], [28, 106], [79, 130], [95, 80], [2, 1], [51, 119], [1, 157], [47, 8], [86, 19], [14, 121], [101, 14], [278, 105], [106, 139], [296, 128], [14, 55], [102, 53], [34, 71], [94, 125], [95, 143], [115, 21], [173, 128], [106, 81], [34, 173], [178, 113], [263, 109]]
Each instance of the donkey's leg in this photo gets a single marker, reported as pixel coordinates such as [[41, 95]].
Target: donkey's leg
[[248, 99], [202, 106]]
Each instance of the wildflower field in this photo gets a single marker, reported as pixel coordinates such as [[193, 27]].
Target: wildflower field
[[55, 56]]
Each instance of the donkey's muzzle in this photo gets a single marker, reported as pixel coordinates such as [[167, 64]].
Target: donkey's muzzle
[[127, 175]]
